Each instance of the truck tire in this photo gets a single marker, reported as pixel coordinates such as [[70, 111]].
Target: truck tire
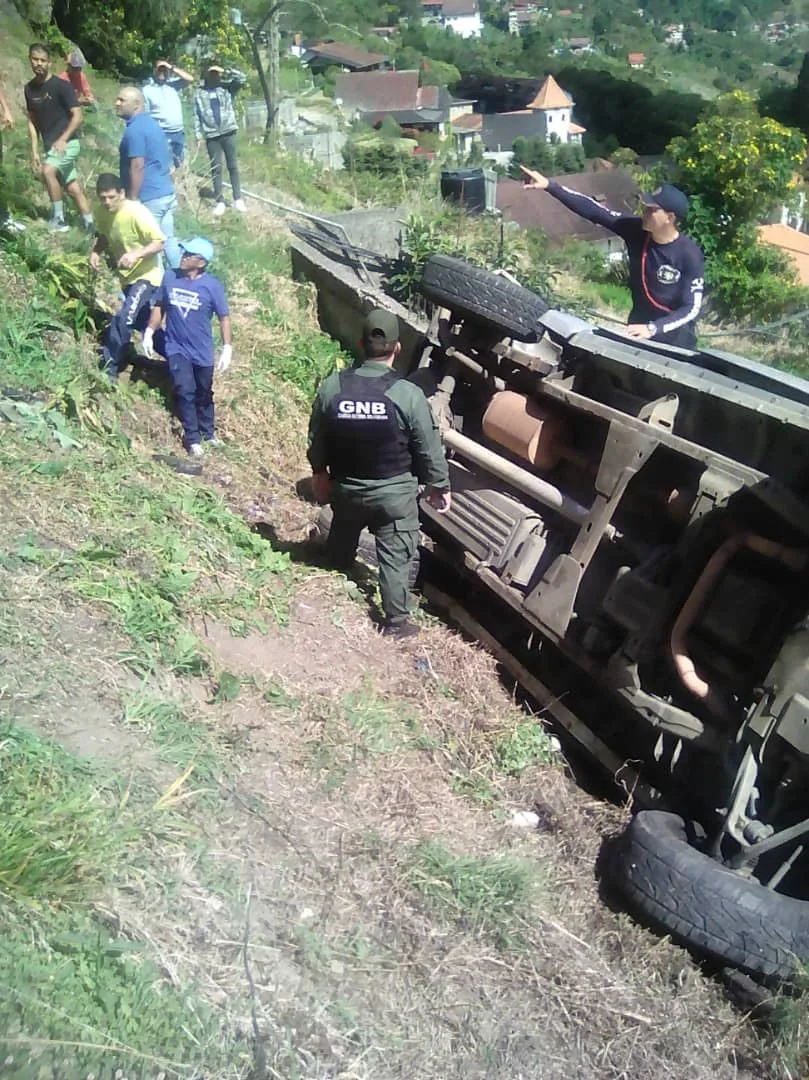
[[704, 905], [483, 297]]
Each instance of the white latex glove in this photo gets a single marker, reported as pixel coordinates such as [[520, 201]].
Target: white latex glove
[[148, 343], [225, 356]]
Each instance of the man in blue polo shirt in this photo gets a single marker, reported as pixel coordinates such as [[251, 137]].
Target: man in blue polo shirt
[[188, 300], [145, 165]]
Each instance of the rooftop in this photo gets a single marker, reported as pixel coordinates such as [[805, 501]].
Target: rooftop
[[346, 55], [551, 96], [379, 91], [533, 209], [468, 122], [794, 243]]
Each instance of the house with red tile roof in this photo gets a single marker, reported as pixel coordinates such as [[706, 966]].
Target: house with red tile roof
[[326, 54], [636, 59], [370, 96], [467, 132]]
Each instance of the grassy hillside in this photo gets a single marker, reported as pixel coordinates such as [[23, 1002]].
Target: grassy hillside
[[243, 836]]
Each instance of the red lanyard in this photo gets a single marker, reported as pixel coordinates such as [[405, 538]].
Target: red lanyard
[[649, 297]]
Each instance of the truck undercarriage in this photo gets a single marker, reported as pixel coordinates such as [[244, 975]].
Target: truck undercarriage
[[644, 510]]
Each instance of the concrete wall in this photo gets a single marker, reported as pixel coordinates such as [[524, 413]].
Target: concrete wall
[[343, 301], [324, 148], [377, 230]]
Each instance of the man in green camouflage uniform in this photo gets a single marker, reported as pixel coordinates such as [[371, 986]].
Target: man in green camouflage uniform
[[372, 441]]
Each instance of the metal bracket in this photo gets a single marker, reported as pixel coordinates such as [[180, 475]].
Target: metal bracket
[[661, 413], [552, 600]]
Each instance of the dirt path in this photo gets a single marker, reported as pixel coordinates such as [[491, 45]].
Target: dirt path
[[356, 891]]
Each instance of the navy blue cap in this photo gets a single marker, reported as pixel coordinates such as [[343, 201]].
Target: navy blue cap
[[669, 198]]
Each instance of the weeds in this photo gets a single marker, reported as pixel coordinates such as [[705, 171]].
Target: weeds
[[790, 1026], [107, 1007], [154, 556], [522, 746], [59, 836], [490, 895], [182, 742]]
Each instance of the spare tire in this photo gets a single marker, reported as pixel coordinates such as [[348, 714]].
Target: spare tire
[[706, 906], [483, 297]]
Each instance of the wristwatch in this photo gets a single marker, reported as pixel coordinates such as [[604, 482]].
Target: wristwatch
[[652, 328]]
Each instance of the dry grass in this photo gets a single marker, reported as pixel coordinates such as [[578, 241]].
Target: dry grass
[[302, 873]]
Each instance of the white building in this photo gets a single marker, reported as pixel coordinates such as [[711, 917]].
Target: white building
[[549, 116], [461, 16]]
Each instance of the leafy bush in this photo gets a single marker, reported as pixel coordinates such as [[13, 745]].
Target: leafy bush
[[383, 158], [482, 241], [738, 166]]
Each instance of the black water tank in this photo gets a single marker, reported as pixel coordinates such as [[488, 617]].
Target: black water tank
[[466, 187]]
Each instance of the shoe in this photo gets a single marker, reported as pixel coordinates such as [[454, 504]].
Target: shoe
[[219, 209], [400, 629], [57, 225], [89, 227], [239, 204], [213, 442], [8, 224], [195, 450]]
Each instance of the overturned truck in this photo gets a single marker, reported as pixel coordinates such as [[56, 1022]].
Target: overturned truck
[[641, 514], [644, 511]]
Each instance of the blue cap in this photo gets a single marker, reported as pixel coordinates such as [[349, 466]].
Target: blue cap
[[198, 246]]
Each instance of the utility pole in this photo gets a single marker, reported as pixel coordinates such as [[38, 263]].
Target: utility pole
[[269, 80]]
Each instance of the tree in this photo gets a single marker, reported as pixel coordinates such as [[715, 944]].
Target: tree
[[127, 36], [738, 166], [569, 158], [533, 152], [438, 73]]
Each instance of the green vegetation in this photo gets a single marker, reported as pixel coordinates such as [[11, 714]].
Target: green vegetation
[[738, 167], [69, 832], [480, 240], [522, 747], [490, 895], [550, 158], [61, 833]]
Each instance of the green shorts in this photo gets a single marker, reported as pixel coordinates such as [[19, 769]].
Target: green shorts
[[65, 163]]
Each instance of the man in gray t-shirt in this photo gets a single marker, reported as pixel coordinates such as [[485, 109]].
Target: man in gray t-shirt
[[162, 98]]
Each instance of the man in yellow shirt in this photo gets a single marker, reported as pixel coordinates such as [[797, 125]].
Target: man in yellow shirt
[[131, 238]]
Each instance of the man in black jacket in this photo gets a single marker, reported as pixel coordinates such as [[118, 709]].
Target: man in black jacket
[[666, 269]]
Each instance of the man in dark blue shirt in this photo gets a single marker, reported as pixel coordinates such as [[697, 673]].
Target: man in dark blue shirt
[[666, 269], [145, 165], [188, 300]]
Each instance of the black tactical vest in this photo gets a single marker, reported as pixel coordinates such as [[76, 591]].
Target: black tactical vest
[[364, 439]]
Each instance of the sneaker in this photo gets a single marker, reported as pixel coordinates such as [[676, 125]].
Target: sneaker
[[219, 209], [213, 442], [57, 225], [89, 226], [238, 204], [8, 224], [195, 449], [399, 629]]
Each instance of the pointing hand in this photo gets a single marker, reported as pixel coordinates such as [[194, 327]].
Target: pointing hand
[[533, 179]]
